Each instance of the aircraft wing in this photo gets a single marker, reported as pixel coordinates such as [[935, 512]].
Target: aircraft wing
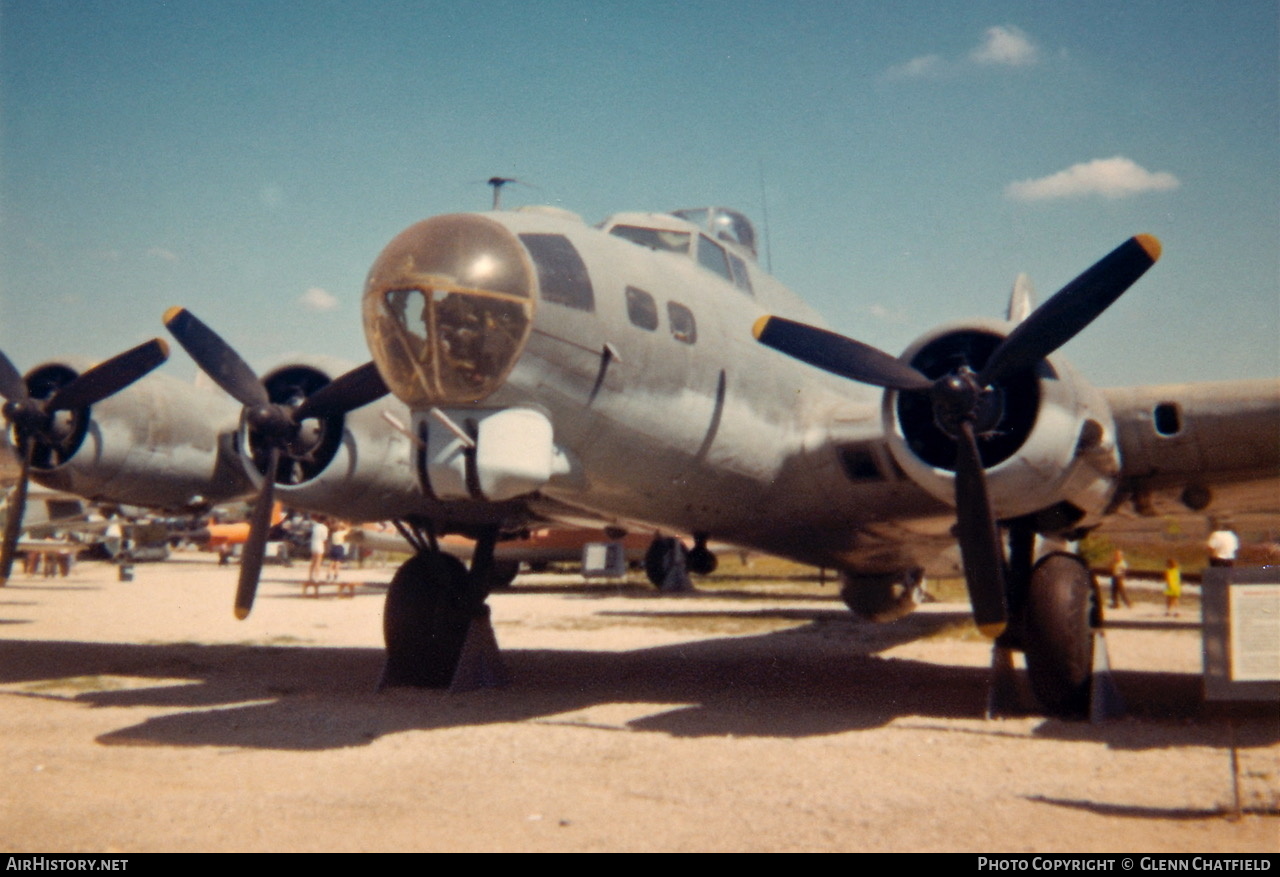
[[1211, 447]]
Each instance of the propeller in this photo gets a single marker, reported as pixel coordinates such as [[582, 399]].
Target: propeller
[[966, 404], [36, 420], [280, 427]]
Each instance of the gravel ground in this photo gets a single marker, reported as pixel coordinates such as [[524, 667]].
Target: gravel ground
[[756, 715]]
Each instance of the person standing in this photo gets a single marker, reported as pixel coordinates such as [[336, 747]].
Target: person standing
[[1223, 546], [1118, 569], [319, 550], [1172, 587], [337, 548]]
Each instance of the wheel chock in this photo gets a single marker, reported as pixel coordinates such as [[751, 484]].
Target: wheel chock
[[1105, 701], [480, 665], [1009, 694]]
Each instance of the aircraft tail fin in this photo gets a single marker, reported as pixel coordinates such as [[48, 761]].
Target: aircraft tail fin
[[1022, 299]]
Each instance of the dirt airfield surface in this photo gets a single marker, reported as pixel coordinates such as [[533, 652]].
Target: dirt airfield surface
[[758, 715]]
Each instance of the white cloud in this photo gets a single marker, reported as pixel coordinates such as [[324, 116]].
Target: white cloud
[[924, 67], [317, 299], [1002, 46], [1113, 178], [1005, 46], [162, 254]]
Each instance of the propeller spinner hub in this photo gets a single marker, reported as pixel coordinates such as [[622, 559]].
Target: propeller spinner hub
[[958, 397], [272, 421]]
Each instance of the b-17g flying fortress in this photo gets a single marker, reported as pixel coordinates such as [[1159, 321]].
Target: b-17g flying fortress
[[648, 374]]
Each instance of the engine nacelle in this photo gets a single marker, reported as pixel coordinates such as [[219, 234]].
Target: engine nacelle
[[353, 466], [1049, 449], [159, 443]]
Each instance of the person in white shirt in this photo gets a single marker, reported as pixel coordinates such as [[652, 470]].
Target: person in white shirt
[[319, 549], [1223, 546]]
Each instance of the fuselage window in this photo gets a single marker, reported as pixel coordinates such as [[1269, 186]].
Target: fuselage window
[[683, 326], [654, 238], [740, 275], [562, 275], [711, 255], [642, 309], [1167, 419]]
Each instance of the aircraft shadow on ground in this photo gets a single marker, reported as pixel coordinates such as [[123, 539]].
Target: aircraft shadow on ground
[[805, 681], [593, 591]]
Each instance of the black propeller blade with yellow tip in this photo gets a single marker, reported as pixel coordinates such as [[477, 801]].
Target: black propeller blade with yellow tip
[[276, 425], [34, 421], [961, 398]]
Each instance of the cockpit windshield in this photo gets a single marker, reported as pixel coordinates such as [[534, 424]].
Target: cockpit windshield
[[654, 238], [722, 224], [447, 309]]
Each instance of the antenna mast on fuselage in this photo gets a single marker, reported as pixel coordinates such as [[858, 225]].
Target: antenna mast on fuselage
[[497, 183]]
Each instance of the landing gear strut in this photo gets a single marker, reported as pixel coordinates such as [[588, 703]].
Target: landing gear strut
[[436, 622], [1055, 610]]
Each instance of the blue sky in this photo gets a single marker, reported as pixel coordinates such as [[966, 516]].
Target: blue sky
[[250, 159]]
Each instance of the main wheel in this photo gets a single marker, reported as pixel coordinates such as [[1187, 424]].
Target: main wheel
[[665, 562], [502, 574], [702, 560], [425, 621], [1058, 638]]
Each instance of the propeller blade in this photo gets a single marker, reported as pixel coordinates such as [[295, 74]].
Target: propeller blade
[[17, 509], [12, 387], [347, 392], [216, 358], [255, 546], [110, 377], [1071, 309], [837, 354], [979, 539]]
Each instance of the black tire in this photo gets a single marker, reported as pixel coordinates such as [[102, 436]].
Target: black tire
[[655, 561], [661, 557], [702, 561], [1058, 638], [425, 621], [503, 573]]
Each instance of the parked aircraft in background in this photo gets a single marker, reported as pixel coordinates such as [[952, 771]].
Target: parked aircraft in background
[[226, 537], [648, 376], [55, 524], [536, 548]]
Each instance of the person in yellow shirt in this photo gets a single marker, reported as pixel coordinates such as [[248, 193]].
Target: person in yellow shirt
[[1172, 587]]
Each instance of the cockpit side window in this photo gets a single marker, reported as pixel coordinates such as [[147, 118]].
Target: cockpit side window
[[740, 275], [654, 238], [562, 275], [712, 256]]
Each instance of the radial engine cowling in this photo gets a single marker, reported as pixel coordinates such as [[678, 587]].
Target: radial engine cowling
[[354, 465], [1047, 440], [156, 443]]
